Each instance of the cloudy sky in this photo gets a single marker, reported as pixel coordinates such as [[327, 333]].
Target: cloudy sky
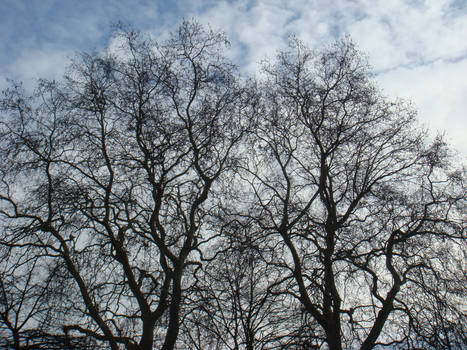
[[418, 48]]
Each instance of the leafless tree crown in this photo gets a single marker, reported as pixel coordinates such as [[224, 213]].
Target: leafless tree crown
[[156, 199]]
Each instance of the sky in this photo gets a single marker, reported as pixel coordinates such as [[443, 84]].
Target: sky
[[417, 48]]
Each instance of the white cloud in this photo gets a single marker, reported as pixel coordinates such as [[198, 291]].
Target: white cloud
[[49, 63], [438, 90], [256, 30], [399, 32], [417, 47]]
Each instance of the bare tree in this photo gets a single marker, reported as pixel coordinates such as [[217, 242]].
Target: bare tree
[[22, 299], [372, 216], [108, 175], [29, 293], [233, 304], [153, 195]]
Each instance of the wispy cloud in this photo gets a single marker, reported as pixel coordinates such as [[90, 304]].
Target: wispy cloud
[[417, 47]]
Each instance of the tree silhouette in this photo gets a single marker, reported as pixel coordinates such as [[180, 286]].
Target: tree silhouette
[[156, 199], [109, 173], [372, 216]]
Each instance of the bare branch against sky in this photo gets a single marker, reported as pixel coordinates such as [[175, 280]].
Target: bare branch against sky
[[417, 48], [165, 184]]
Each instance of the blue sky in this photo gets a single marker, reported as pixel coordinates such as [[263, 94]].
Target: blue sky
[[418, 48]]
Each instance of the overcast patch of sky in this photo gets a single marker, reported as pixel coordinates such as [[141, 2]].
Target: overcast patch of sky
[[39, 37], [417, 47]]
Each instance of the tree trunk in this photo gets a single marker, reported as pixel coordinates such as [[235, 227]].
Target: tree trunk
[[174, 314]]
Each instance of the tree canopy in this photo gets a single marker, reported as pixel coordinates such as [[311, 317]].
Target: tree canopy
[[156, 198]]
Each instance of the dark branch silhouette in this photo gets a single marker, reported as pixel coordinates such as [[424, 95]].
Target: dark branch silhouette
[[156, 199]]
